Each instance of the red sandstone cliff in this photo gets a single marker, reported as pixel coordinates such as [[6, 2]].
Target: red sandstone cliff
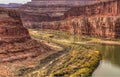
[[16, 43], [48, 10], [90, 20], [103, 26], [15, 39], [109, 8]]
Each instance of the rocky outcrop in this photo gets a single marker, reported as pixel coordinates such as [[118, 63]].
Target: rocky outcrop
[[109, 8], [103, 26], [47, 10], [90, 19], [15, 41]]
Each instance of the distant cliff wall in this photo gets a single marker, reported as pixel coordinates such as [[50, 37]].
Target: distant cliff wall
[[51, 10], [100, 19], [103, 8], [104, 26], [11, 12]]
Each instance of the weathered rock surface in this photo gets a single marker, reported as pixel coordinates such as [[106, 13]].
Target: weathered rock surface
[[108, 8], [15, 41], [86, 20], [48, 10], [103, 26]]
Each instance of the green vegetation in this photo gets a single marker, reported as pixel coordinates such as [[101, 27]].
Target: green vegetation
[[77, 60]]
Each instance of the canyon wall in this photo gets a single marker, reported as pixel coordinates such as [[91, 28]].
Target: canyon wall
[[11, 27], [109, 8], [15, 41], [48, 10], [96, 18], [103, 26]]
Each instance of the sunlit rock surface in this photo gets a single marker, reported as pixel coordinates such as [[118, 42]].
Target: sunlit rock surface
[[15, 38], [16, 44], [103, 26], [83, 18], [48, 10]]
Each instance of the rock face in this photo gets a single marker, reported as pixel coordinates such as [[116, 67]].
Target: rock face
[[103, 26], [110, 8], [85, 20], [15, 41], [11, 30], [47, 10]]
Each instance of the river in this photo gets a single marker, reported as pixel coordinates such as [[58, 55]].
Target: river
[[110, 63]]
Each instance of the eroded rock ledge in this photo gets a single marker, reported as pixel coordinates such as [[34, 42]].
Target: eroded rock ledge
[[90, 19], [15, 40], [102, 26]]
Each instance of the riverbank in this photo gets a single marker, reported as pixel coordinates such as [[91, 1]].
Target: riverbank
[[103, 41], [74, 60]]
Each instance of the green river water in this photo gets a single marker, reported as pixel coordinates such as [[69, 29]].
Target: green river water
[[110, 63]]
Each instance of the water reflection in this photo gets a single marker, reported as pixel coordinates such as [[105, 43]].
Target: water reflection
[[110, 53], [110, 65]]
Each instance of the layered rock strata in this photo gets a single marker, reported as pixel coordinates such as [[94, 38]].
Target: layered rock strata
[[103, 26], [109, 8], [47, 10], [90, 19], [15, 41]]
